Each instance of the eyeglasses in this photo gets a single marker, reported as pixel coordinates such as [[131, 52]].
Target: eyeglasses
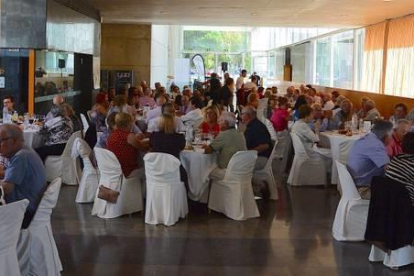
[[4, 139]]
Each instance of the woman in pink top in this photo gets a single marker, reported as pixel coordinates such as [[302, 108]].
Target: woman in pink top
[[280, 116]]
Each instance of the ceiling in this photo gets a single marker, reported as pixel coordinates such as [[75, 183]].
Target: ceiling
[[295, 13]]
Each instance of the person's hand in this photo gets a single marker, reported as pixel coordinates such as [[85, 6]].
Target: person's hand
[[140, 136]]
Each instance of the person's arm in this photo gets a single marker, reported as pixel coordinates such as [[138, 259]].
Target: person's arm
[[208, 150], [261, 148], [136, 141]]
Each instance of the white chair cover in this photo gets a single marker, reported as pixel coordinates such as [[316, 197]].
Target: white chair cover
[[271, 129], [111, 176], [266, 175], [261, 109], [394, 259], [306, 170], [352, 212], [64, 166], [233, 196], [166, 194], [210, 103], [11, 221], [88, 177], [84, 123], [37, 251]]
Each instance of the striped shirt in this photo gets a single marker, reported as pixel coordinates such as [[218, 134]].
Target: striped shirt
[[401, 169]]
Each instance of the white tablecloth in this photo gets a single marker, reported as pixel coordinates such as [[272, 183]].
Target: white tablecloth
[[330, 139], [198, 167], [32, 138]]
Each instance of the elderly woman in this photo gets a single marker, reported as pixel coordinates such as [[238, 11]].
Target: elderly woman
[[57, 132], [124, 144], [343, 115], [70, 113], [324, 117], [210, 124], [361, 112], [99, 111], [120, 105]]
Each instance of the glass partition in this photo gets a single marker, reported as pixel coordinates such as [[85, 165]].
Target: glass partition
[[323, 62]]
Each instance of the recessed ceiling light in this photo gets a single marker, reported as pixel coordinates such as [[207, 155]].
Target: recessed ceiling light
[[254, 13]]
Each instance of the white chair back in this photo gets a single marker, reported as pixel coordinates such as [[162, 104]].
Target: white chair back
[[47, 203], [11, 221], [68, 148], [241, 166], [271, 157], [162, 168], [84, 122], [349, 190], [110, 172], [89, 113], [271, 129], [263, 103], [298, 146], [210, 103], [344, 148]]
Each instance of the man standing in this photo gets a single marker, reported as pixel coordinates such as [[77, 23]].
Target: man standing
[[24, 173], [257, 136], [240, 80]]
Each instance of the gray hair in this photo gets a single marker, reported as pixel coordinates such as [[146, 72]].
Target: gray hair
[[13, 131], [229, 118], [250, 110], [57, 111], [382, 128], [370, 103]]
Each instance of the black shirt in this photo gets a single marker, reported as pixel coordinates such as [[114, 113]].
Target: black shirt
[[257, 134], [172, 143], [225, 95]]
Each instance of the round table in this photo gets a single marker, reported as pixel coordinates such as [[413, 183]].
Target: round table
[[198, 167], [32, 138], [332, 140]]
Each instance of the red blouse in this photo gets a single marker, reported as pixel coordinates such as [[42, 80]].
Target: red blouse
[[207, 129], [127, 155]]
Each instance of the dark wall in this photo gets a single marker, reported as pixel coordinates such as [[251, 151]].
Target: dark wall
[[83, 81]]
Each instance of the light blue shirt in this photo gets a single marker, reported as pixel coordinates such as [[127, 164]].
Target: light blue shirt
[[26, 171], [366, 159]]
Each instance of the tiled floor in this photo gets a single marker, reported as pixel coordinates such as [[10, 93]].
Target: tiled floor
[[292, 237]]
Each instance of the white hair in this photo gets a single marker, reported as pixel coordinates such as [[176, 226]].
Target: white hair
[[229, 118]]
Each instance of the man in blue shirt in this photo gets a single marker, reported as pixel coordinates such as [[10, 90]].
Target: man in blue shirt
[[368, 156], [24, 173]]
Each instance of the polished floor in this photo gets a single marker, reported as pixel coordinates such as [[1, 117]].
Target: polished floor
[[292, 237]]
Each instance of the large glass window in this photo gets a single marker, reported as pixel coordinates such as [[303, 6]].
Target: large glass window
[[323, 62], [343, 51], [280, 63], [298, 61]]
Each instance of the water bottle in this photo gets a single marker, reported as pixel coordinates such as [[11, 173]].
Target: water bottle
[[354, 122], [146, 109], [5, 115], [361, 125], [189, 135]]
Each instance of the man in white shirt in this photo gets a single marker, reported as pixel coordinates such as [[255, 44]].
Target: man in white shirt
[[328, 103], [154, 113], [249, 85], [240, 80], [194, 115]]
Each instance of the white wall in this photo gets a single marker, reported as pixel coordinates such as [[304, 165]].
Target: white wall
[[159, 54]]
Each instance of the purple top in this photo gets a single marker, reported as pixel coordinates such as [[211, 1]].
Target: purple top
[[366, 159]]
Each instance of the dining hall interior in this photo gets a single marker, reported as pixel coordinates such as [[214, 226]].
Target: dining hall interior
[[207, 138]]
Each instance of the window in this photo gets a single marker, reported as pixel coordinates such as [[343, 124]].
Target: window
[[343, 51], [323, 62]]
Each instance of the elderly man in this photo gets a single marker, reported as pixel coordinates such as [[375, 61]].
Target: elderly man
[[371, 113], [257, 136], [24, 173], [227, 143], [328, 104], [57, 101], [395, 145], [146, 100], [368, 156]]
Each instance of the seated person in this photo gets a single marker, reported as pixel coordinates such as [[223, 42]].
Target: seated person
[[226, 144], [146, 100], [120, 105], [280, 116], [400, 112], [70, 113], [210, 125], [368, 156], [324, 117], [166, 107], [257, 136], [328, 104], [305, 133], [124, 144], [253, 98], [103, 139], [394, 147], [24, 176], [57, 101], [99, 111], [8, 102], [401, 167], [57, 132], [134, 93], [156, 111], [301, 100], [343, 115], [371, 113], [194, 116]]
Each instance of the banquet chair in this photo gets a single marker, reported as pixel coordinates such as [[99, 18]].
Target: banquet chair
[[306, 169], [87, 177], [271, 129], [85, 123], [166, 194], [37, 251], [89, 113], [282, 138], [261, 109], [63, 166], [266, 175], [12, 217], [351, 215], [111, 176], [233, 196]]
